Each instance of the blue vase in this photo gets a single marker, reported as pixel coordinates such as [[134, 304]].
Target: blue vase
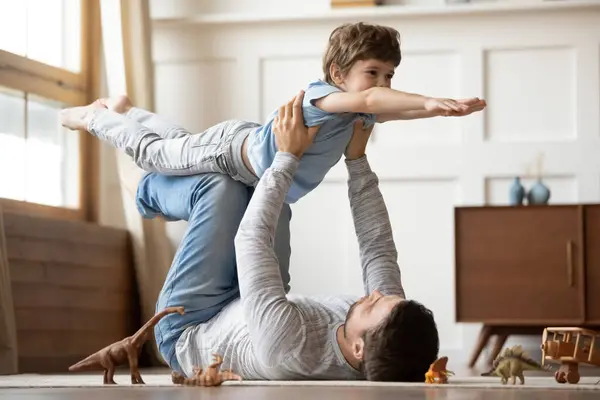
[[538, 194], [517, 192]]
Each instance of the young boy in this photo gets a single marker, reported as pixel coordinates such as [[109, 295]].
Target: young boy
[[359, 64]]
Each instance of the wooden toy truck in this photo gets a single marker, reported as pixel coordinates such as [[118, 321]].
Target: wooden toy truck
[[570, 346]]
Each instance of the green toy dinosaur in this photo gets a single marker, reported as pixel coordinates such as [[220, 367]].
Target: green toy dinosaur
[[512, 363]]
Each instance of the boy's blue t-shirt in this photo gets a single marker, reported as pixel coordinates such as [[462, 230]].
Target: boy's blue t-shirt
[[327, 149]]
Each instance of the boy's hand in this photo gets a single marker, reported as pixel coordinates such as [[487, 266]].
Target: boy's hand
[[358, 143], [473, 105], [454, 108], [291, 135]]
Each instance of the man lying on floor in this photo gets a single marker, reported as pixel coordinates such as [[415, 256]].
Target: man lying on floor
[[234, 283]]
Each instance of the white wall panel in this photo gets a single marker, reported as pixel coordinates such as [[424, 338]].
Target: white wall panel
[[532, 94]]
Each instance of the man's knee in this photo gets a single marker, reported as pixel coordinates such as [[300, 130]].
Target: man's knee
[[174, 197], [220, 192], [144, 196]]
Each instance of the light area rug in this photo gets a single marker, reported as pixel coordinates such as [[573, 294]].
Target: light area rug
[[162, 380]]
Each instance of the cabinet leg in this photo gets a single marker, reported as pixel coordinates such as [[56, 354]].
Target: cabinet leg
[[484, 337], [499, 343]]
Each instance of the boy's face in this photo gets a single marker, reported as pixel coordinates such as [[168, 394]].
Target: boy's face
[[365, 74]]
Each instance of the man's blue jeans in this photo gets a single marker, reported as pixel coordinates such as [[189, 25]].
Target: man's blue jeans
[[203, 275]]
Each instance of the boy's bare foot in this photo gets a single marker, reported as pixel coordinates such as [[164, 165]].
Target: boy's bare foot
[[119, 104], [77, 118]]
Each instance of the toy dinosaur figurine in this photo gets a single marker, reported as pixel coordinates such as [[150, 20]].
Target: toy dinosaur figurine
[[437, 372], [212, 376], [125, 350], [512, 363]]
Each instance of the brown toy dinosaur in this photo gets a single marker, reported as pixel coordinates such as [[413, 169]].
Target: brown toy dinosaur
[[125, 350], [437, 372], [211, 377]]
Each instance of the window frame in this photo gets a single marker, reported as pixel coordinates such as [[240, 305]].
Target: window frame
[[72, 89]]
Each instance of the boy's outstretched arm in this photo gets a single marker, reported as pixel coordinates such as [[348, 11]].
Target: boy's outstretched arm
[[381, 100], [474, 105]]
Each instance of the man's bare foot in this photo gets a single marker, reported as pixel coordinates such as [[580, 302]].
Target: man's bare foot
[[77, 118], [119, 104]]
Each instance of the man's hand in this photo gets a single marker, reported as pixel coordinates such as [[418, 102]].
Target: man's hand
[[454, 108], [291, 135], [358, 143]]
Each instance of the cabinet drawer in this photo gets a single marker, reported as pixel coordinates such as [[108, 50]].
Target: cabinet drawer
[[519, 265]]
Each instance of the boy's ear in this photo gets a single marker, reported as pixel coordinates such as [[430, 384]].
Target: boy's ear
[[336, 74]]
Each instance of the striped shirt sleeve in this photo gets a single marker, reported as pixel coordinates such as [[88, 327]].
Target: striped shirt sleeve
[[275, 325]]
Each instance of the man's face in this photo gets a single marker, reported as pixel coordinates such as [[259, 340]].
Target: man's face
[[367, 313]]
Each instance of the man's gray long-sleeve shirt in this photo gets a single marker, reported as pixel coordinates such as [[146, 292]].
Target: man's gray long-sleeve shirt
[[268, 335]]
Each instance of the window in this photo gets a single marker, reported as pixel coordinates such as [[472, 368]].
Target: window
[[48, 49], [48, 31], [39, 160]]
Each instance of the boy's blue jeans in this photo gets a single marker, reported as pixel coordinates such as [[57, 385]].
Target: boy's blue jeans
[[203, 275]]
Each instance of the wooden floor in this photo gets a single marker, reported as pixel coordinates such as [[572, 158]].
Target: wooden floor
[[297, 393], [467, 385]]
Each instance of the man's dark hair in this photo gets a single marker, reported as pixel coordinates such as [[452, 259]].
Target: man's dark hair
[[403, 346]]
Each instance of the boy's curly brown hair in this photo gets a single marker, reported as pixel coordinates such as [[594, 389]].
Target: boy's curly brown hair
[[349, 43]]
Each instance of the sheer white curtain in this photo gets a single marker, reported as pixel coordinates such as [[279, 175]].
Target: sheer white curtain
[[128, 63]]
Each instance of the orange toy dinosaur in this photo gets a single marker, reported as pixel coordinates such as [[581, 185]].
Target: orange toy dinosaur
[[437, 371], [125, 350], [211, 377]]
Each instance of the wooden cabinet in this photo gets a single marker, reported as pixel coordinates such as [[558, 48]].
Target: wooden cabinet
[[527, 267], [592, 264]]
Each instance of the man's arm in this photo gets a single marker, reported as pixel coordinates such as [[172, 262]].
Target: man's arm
[[378, 254], [381, 100], [276, 326]]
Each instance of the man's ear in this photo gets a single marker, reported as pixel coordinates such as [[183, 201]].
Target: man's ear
[[336, 74], [358, 349]]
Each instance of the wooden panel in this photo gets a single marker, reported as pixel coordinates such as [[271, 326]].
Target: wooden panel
[[592, 263], [8, 339], [59, 344], [355, 3], [70, 275], [32, 76], [72, 320], [513, 267], [35, 227], [72, 287], [43, 296], [57, 251], [38, 364]]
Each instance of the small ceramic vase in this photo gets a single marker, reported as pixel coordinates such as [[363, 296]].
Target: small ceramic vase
[[538, 194], [517, 192]]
